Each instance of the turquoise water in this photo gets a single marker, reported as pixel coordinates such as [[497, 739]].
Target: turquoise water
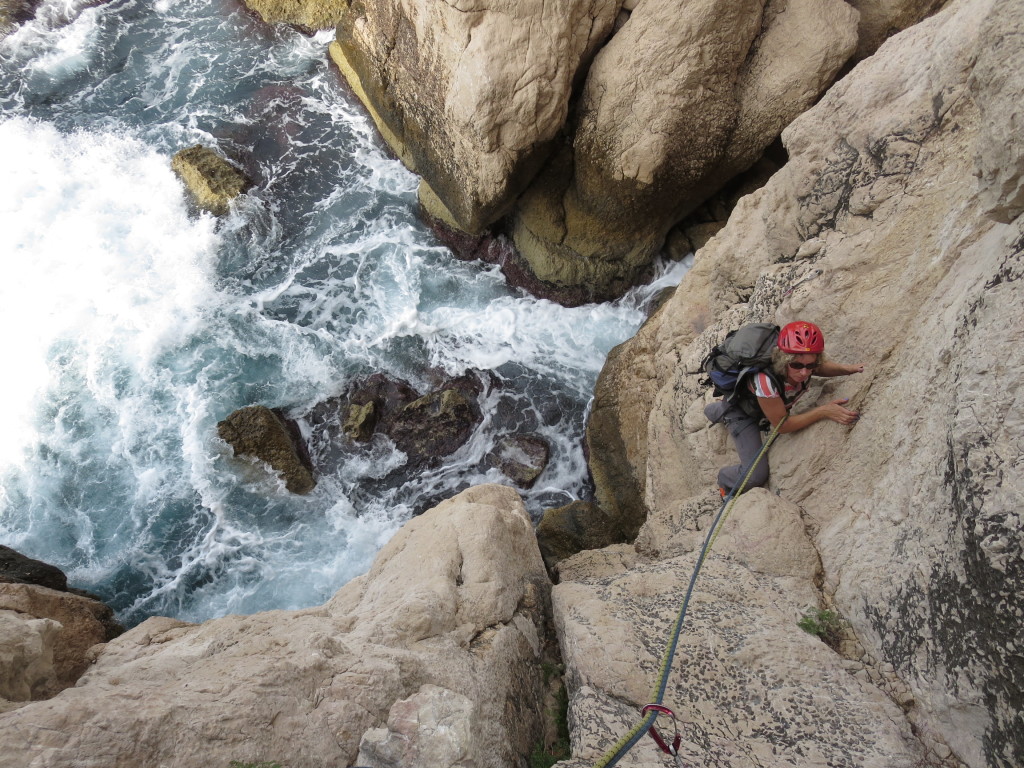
[[133, 323]]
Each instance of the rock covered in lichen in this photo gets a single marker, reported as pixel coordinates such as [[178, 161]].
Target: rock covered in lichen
[[258, 431], [212, 180]]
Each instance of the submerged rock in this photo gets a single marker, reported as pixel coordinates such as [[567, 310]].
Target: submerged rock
[[212, 180], [521, 458], [434, 426], [260, 432]]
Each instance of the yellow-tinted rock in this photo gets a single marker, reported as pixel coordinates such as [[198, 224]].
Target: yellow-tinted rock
[[211, 179]]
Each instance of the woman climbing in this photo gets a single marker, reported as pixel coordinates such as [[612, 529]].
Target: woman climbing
[[765, 397]]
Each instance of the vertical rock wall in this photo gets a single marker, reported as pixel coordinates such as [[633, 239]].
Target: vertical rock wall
[[896, 225]]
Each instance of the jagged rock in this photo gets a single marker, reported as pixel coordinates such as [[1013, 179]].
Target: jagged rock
[[360, 421], [648, 149], [434, 425], [521, 458], [306, 14], [14, 12], [471, 97], [879, 229], [258, 431], [387, 396], [211, 179], [56, 652], [457, 600], [564, 531], [16, 568]]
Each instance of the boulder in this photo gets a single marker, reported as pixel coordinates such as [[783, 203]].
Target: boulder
[[448, 626], [259, 432], [564, 531], [521, 458], [212, 180], [434, 425], [675, 104], [306, 14], [50, 632], [471, 96], [894, 226]]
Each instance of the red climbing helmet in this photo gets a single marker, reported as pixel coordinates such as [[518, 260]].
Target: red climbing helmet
[[801, 338]]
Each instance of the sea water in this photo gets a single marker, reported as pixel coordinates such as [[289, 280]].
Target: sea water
[[134, 323]]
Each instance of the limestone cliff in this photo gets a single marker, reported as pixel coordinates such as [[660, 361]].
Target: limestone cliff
[[896, 226], [585, 129]]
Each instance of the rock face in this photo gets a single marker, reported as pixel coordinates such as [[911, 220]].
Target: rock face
[[880, 19], [748, 686], [306, 14], [564, 531], [649, 148], [211, 179], [45, 639], [469, 95], [895, 225], [260, 432], [447, 627]]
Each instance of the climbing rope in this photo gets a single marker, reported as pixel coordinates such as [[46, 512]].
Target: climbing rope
[[651, 711]]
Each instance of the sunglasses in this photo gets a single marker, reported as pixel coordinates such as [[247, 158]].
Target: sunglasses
[[803, 366]]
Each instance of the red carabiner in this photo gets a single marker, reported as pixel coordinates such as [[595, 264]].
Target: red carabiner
[[672, 750]]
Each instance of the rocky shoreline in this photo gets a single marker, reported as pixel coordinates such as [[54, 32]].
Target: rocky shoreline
[[895, 224]]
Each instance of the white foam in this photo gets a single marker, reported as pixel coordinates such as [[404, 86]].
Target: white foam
[[97, 249]]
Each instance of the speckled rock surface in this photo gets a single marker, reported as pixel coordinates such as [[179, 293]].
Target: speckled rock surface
[[457, 600], [747, 685], [880, 229]]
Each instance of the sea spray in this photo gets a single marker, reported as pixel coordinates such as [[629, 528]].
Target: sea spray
[[135, 323]]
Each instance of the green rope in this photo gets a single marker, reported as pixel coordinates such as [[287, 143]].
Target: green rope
[[623, 745]]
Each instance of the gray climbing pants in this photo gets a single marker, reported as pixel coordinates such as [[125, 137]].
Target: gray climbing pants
[[746, 435]]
